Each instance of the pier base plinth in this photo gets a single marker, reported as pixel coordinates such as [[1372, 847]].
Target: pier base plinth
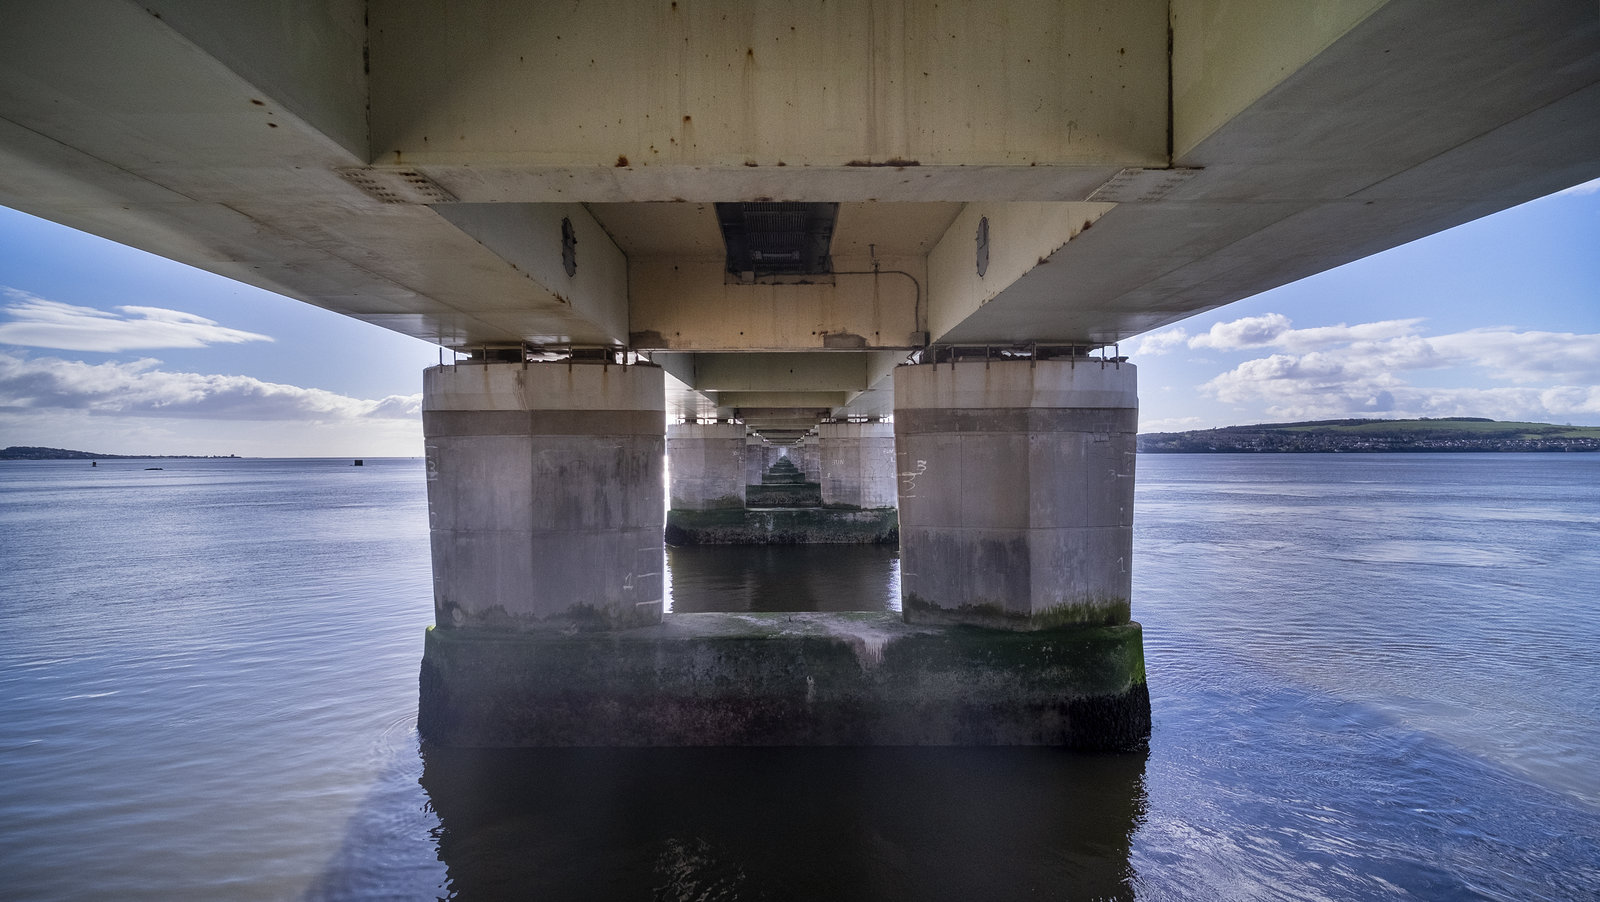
[[786, 680], [783, 526]]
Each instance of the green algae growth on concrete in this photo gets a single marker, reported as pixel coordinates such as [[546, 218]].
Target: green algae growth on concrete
[[784, 526], [787, 679]]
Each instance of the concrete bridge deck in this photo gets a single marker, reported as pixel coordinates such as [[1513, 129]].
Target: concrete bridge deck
[[412, 164]]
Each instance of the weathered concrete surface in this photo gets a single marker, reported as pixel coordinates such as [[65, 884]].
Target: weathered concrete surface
[[783, 472], [1016, 491], [786, 679], [783, 526], [810, 461], [706, 466], [804, 494], [545, 494], [858, 466], [755, 459]]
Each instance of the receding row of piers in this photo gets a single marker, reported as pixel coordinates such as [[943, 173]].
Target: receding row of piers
[[712, 465], [1013, 484]]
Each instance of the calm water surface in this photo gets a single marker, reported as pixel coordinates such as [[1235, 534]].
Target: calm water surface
[[1373, 677]]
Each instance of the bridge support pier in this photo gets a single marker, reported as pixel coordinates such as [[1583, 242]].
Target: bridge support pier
[[1016, 491], [808, 457], [857, 464], [755, 458], [545, 499], [706, 466], [545, 495]]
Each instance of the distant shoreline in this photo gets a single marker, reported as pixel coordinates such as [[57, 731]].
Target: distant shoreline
[[1354, 436], [27, 452], [1451, 434], [1540, 450]]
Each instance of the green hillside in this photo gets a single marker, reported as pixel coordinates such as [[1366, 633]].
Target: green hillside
[[1444, 434], [1471, 426]]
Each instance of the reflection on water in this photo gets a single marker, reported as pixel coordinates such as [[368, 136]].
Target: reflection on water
[[774, 824], [703, 578]]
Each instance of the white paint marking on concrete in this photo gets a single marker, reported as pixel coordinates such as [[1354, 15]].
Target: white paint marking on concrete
[[910, 479]]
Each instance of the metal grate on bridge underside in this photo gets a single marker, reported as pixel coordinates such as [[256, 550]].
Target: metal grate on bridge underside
[[777, 239]]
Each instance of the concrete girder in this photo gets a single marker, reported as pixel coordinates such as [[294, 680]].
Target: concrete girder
[[869, 184], [306, 54], [684, 403], [844, 371], [531, 85], [723, 385], [1379, 138], [114, 122], [1226, 54], [705, 385], [532, 238], [793, 419], [697, 306], [762, 400], [1016, 239]]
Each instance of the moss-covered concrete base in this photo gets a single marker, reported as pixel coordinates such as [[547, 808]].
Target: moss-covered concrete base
[[786, 679], [805, 494], [1094, 611], [784, 526]]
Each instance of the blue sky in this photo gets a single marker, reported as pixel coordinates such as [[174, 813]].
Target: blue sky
[[1499, 317], [105, 348]]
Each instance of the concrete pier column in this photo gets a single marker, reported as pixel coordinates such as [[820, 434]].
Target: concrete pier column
[[755, 459], [706, 466], [808, 457], [857, 464], [545, 494], [1016, 491]]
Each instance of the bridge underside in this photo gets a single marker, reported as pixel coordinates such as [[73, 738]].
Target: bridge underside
[[764, 210], [419, 165]]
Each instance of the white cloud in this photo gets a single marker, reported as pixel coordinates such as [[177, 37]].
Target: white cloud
[[1274, 330], [1158, 343], [1526, 357], [1327, 336], [1554, 376], [40, 323], [1170, 424], [1249, 332], [140, 389]]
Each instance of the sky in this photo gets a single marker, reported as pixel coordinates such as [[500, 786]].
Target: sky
[[108, 349], [1498, 318]]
